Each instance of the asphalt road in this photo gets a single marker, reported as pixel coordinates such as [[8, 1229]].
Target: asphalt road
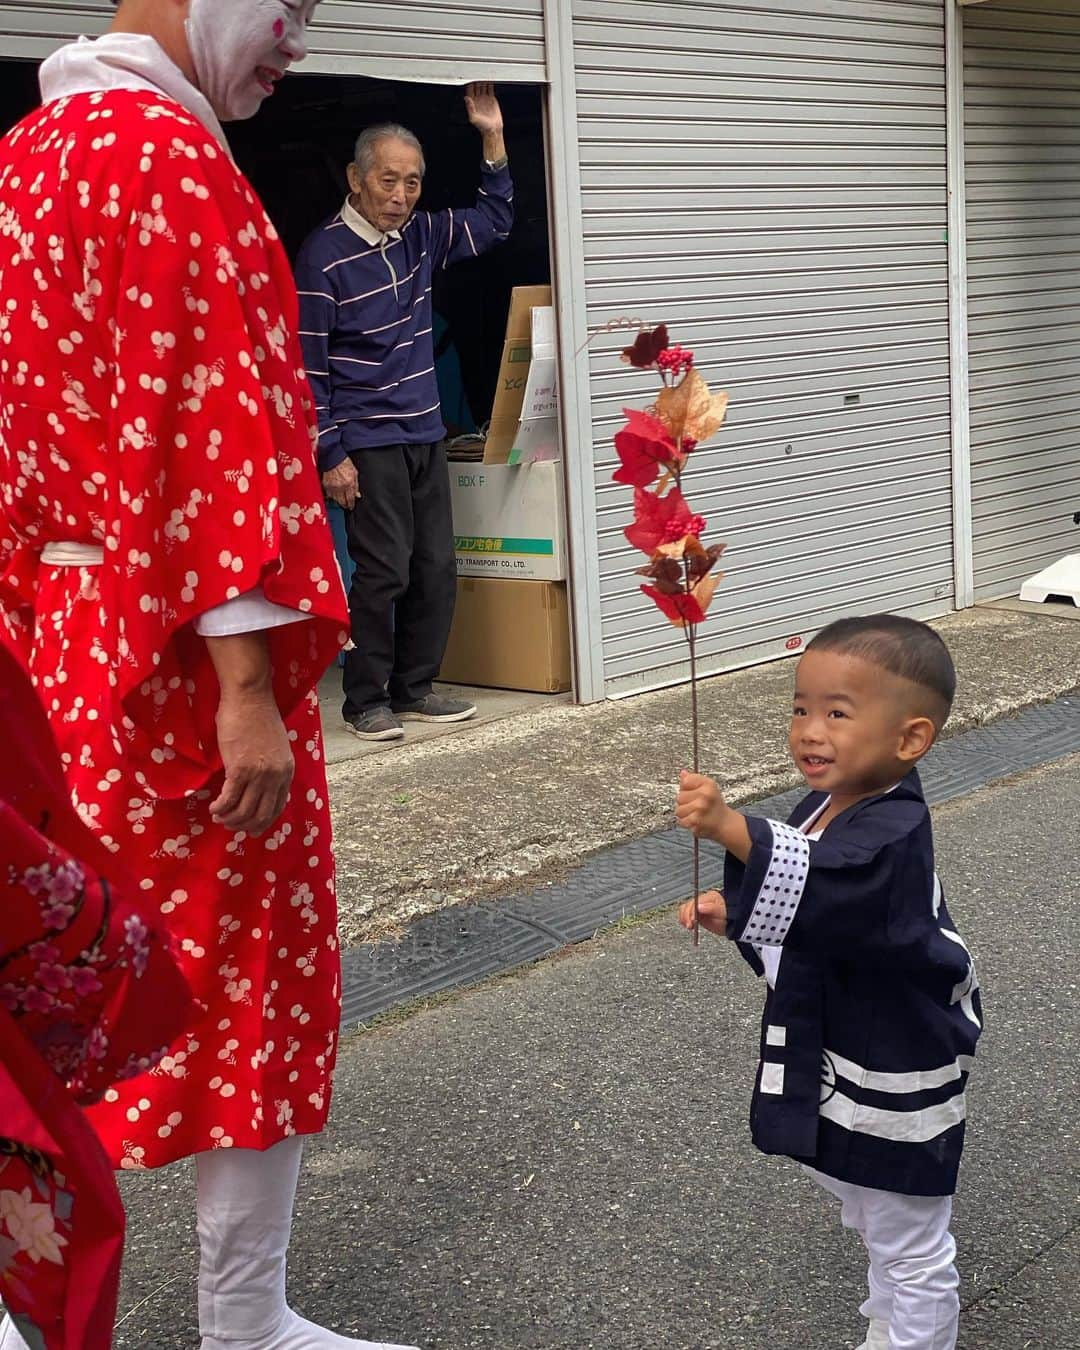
[[560, 1159]]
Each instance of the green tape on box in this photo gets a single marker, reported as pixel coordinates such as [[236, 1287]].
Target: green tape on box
[[494, 547]]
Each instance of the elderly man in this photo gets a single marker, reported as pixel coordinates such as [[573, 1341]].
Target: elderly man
[[167, 576], [366, 323]]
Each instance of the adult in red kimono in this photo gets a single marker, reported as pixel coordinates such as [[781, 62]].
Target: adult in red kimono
[[167, 571], [89, 995]]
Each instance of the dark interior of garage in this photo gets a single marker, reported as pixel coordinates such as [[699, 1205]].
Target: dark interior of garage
[[295, 153]]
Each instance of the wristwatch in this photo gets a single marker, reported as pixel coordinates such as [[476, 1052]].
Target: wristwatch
[[499, 163]]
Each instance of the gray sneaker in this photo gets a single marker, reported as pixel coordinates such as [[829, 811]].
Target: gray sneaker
[[435, 708], [377, 724]]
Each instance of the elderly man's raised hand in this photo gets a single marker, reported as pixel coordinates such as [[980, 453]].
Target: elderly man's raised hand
[[483, 108]]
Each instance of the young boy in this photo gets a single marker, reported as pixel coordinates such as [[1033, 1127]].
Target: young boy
[[872, 1010]]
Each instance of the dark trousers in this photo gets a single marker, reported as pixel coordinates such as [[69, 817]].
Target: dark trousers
[[402, 596]]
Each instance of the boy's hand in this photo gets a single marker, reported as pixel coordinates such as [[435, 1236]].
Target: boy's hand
[[700, 807], [712, 913]]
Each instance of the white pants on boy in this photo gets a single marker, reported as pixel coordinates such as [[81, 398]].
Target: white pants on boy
[[913, 1279]]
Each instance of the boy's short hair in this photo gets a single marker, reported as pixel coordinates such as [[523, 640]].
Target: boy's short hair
[[903, 647]]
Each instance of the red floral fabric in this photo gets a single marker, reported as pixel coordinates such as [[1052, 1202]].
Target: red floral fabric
[[89, 995], [152, 402]]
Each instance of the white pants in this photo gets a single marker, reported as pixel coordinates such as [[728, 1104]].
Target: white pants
[[245, 1205], [9, 1337], [913, 1280]]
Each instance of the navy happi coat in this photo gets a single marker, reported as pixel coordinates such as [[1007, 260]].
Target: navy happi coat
[[868, 1037]]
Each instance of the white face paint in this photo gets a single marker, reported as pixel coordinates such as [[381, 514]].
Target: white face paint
[[241, 48]]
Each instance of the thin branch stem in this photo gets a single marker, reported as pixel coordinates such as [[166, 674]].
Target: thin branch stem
[[614, 326], [690, 630]]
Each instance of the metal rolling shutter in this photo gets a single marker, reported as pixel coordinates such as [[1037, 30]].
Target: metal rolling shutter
[[1022, 114], [31, 29], [440, 41], [444, 41], [770, 178]]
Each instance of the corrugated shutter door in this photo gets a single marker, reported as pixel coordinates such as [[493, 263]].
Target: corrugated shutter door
[[769, 177], [31, 29], [441, 41], [1022, 101]]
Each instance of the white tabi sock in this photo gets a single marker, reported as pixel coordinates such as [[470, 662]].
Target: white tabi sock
[[9, 1337], [297, 1334], [245, 1203], [877, 1338]]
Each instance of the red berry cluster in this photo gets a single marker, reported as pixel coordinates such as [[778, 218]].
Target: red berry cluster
[[675, 361], [678, 529]]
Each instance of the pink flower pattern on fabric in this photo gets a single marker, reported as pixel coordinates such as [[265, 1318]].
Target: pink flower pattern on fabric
[[153, 402]]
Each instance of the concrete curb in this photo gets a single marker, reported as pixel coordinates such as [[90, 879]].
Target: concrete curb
[[448, 822], [454, 948]]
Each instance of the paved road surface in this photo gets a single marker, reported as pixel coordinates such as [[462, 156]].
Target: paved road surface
[[560, 1160]]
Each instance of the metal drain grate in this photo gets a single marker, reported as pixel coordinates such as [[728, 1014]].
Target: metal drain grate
[[459, 946]]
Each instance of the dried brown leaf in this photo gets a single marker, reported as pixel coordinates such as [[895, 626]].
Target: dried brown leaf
[[690, 410]]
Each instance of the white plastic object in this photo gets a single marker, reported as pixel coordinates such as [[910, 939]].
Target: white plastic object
[[1059, 579]]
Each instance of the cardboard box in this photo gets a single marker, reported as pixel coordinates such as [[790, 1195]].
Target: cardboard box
[[510, 394], [509, 520], [538, 428], [523, 300], [510, 635], [513, 371]]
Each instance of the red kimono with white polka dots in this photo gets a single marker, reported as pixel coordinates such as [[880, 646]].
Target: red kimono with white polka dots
[[152, 402]]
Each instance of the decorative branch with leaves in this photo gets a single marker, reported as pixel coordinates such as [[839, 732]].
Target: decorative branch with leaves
[[655, 448]]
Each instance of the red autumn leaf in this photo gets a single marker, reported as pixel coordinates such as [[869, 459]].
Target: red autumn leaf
[[647, 347], [643, 446], [658, 519], [678, 609], [669, 573], [686, 607], [703, 560]]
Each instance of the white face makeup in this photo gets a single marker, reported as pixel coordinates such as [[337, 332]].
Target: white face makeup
[[241, 48]]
